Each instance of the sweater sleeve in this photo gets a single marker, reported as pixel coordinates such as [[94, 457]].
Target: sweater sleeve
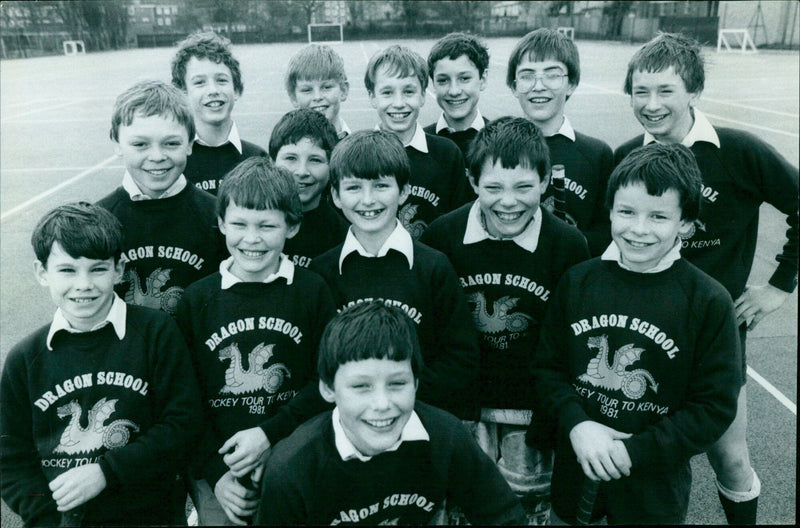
[[711, 395], [176, 401], [23, 484], [598, 234], [463, 192]]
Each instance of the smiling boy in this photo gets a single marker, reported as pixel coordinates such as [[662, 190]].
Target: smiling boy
[[263, 310], [380, 260], [206, 70], [380, 457], [124, 367]]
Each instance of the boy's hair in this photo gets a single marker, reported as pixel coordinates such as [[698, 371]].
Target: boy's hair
[[369, 154], [256, 183], [82, 230], [399, 62], [545, 44], [299, 124], [368, 330], [660, 167], [315, 62], [665, 50], [515, 141], [454, 45], [205, 45], [151, 98]]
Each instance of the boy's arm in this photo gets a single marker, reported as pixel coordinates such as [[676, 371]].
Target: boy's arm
[[598, 234], [283, 498], [22, 482]]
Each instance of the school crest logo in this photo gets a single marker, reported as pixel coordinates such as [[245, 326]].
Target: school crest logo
[[500, 319], [614, 376], [152, 294], [406, 216], [257, 376], [96, 435], [697, 224]]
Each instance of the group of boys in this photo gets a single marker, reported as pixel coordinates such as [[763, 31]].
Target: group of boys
[[475, 335]]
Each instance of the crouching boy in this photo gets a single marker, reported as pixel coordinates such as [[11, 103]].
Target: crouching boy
[[379, 457], [100, 407], [639, 354]]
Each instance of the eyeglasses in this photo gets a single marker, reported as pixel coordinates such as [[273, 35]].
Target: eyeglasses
[[527, 80]]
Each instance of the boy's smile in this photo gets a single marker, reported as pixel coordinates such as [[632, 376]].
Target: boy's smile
[[154, 151], [210, 90], [325, 96], [508, 198], [370, 206], [458, 85], [398, 101], [542, 104], [308, 163], [82, 288], [662, 105]]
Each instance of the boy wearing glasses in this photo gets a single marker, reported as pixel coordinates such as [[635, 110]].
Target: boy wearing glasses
[[543, 72]]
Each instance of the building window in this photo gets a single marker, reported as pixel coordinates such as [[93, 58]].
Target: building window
[[174, 10], [167, 21], [160, 21], [145, 20]]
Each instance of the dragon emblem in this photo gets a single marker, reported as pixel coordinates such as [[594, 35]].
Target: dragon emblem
[[600, 373], [256, 377], [697, 224], [76, 439], [414, 227], [500, 320], [152, 295]]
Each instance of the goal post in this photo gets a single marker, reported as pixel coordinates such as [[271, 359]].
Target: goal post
[[569, 31], [740, 38], [74, 47], [325, 33]]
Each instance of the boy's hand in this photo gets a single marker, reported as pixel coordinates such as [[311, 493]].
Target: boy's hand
[[600, 451], [244, 450], [236, 500], [77, 486], [757, 302]]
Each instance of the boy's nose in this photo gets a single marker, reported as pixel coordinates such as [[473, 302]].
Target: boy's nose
[[83, 281], [380, 400], [367, 196], [156, 153], [653, 102], [453, 88]]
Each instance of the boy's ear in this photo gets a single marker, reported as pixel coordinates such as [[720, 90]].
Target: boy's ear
[[40, 272], [221, 225], [292, 231], [327, 392], [484, 79], [544, 181], [472, 182], [373, 100], [685, 228], [119, 271], [345, 91], [293, 99], [404, 193], [117, 148], [335, 195]]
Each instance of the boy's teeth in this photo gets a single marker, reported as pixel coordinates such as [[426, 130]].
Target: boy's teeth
[[369, 214], [539, 99], [380, 423], [82, 300], [158, 172], [508, 217], [215, 104], [252, 253], [655, 118]]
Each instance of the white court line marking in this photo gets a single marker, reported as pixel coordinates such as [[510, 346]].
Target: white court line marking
[[748, 107], [787, 98], [363, 52], [770, 388], [44, 109], [54, 169], [55, 189]]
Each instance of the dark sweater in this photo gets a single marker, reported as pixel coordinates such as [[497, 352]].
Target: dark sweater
[[438, 184], [321, 229], [510, 288], [430, 294], [140, 411], [275, 325], [207, 166], [461, 138], [306, 481], [737, 178], [655, 355], [169, 244], [587, 165]]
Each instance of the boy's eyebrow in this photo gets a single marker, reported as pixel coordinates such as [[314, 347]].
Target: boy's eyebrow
[[554, 67]]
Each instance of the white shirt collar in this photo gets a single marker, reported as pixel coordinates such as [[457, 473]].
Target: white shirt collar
[[702, 130], [476, 232], [117, 315], [136, 194], [399, 240], [344, 130], [418, 141], [413, 431], [613, 253], [285, 270], [233, 139], [566, 130], [477, 123]]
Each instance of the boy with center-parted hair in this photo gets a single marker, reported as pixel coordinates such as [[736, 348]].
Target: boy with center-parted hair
[[316, 79], [396, 79], [302, 143], [380, 457], [206, 70], [458, 65], [509, 254], [100, 407], [169, 227], [638, 363], [739, 172], [253, 330], [543, 72], [380, 260]]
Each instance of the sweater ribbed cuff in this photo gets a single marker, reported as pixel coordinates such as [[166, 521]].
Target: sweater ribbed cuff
[[570, 415], [785, 277]]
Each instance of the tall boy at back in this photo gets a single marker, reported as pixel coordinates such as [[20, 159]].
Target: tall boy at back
[[380, 260], [302, 142], [458, 65], [379, 457], [208, 73], [543, 72], [639, 359], [396, 80], [253, 330], [316, 79], [124, 367], [739, 172], [523, 250], [169, 227]]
